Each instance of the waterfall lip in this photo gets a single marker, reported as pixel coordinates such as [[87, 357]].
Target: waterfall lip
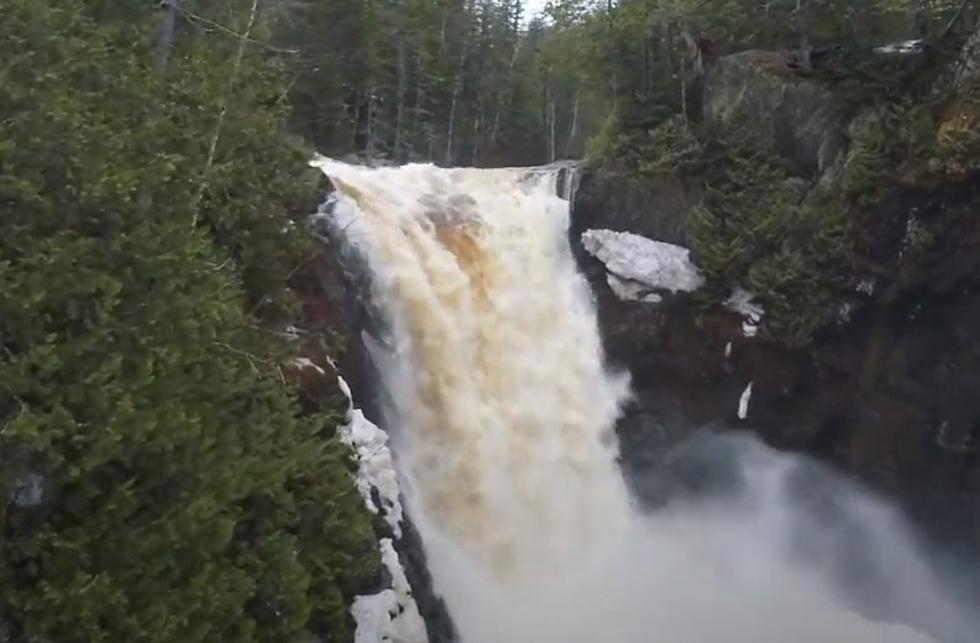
[[570, 169]]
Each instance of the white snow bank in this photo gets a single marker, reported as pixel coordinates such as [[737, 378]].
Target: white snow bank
[[640, 264], [376, 470], [391, 615], [743, 402], [741, 302]]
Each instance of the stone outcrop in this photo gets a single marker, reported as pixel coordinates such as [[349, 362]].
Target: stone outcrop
[[756, 90]]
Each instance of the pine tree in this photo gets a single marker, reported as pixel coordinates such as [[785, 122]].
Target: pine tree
[[161, 486]]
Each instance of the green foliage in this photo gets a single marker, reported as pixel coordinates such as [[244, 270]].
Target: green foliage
[[671, 147], [870, 165], [750, 230], [956, 153], [183, 499]]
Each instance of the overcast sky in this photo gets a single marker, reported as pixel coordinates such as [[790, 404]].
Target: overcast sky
[[533, 8]]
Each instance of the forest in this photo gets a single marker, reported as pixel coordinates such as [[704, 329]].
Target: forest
[[160, 481]]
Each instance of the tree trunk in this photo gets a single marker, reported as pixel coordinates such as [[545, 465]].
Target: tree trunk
[[400, 108], [573, 130], [477, 127], [552, 155], [694, 52], [457, 89], [683, 75], [219, 124], [803, 28], [168, 23], [500, 90], [369, 146], [418, 129]]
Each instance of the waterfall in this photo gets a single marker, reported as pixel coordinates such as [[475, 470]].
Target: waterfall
[[501, 414]]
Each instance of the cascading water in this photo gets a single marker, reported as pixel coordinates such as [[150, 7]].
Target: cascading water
[[502, 417]]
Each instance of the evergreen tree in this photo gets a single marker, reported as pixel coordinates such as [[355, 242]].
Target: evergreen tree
[[160, 485]]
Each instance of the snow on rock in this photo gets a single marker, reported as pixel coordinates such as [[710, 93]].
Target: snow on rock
[[391, 615], [743, 402], [376, 470], [628, 290], [866, 286], [903, 48], [639, 264], [741, 302], [305, 362], [728, 350]]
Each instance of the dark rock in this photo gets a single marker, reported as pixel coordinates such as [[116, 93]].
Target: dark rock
[[29, 490], [654, 208], [801, 116], [888, 393]]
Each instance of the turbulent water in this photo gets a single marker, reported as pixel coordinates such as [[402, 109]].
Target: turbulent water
[[502, 416]]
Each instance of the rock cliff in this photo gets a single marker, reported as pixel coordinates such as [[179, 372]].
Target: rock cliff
[[886, 382]]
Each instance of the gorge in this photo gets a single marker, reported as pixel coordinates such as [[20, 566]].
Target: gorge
[[501, 409], [595, 321]]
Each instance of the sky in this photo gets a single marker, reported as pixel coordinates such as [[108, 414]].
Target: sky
[[533, 7]]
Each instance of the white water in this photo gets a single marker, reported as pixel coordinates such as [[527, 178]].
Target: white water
[[502, 419]]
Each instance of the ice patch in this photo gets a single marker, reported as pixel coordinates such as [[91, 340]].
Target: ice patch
[[743, 402], [642, 264]]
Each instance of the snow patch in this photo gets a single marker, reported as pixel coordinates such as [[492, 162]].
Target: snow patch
[[904, 48], [376, 468], [741, 302], [728, 350], [743, 402], [303, 363], [639, 264], [391, 615]]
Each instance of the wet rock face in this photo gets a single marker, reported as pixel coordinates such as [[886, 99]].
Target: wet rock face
[[891, 393], [654, 208], [756, 90]]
